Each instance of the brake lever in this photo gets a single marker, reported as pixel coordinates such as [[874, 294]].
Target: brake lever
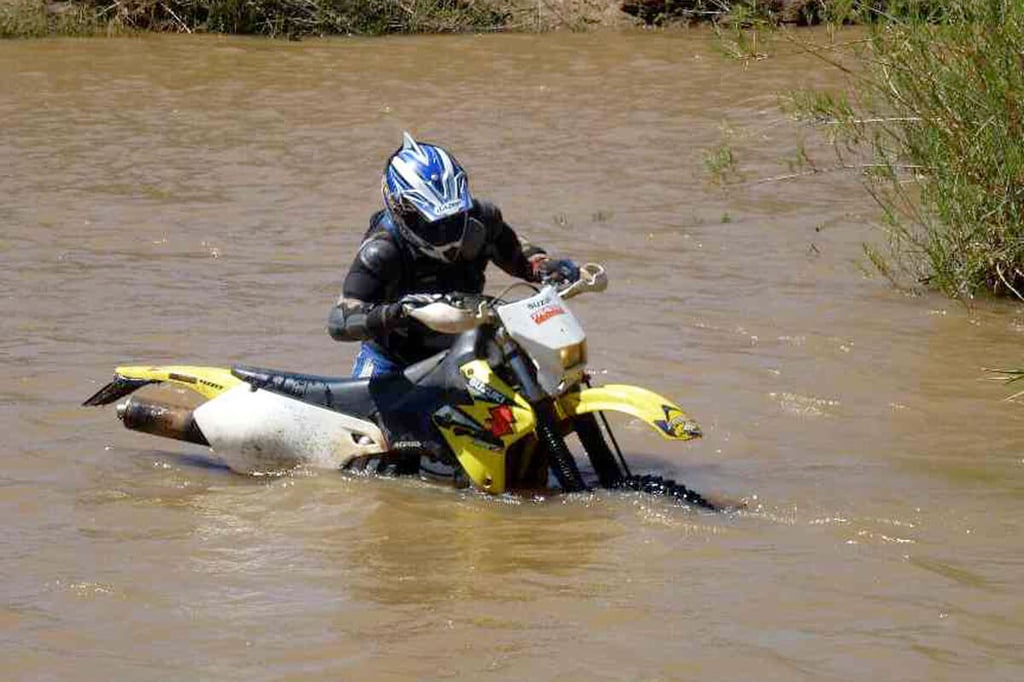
[[420, 300], [474, 302]]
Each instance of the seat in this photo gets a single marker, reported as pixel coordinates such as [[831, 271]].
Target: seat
[[341, 394], [418, 390], [351, 396]]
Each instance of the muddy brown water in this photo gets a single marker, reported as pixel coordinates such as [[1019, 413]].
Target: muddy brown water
[[176, 199]]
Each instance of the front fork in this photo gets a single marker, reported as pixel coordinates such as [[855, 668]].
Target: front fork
[[563, 464]]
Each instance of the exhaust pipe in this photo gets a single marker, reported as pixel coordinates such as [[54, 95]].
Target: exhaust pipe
[[160, 419]]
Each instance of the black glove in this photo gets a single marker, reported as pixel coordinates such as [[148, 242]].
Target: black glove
[[551, 271]]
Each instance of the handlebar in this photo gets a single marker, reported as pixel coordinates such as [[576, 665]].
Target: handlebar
[[593, 278], [461, 311]]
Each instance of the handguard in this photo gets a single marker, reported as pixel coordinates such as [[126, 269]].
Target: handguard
[[592, 279], [444, 318]]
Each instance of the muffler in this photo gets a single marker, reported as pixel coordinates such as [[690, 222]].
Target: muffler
[[160, 419]]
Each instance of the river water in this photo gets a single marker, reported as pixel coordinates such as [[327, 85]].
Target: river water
[[198, 200]]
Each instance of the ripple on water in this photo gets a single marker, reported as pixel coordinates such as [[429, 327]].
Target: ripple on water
[[804, 405]]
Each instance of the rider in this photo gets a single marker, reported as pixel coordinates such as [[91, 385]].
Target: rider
[[431, 237]]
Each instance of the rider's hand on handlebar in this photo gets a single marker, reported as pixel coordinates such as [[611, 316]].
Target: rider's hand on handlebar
[[552, 271]]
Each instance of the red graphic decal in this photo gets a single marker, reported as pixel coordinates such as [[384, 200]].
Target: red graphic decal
[[546, 314], [502, 420]]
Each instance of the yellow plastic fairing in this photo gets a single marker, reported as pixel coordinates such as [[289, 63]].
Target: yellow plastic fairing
[[481, 432], [206, 381], [658, 412]]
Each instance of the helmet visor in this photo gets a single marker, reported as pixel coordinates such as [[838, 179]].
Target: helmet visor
[[448, 230]]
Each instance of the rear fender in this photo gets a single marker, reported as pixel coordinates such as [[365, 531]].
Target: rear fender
[[658, 412], [208, 382]]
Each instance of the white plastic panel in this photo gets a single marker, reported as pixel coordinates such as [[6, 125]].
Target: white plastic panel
[[263, 432], [543, 325]]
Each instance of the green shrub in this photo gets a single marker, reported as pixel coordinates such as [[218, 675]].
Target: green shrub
[[294, 18], [938, 102], [278, 18], [22, 18], [36, 18]]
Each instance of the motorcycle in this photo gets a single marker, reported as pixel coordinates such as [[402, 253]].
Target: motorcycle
[[492, 412]]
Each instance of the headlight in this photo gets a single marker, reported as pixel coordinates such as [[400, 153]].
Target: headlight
[[573, 355]]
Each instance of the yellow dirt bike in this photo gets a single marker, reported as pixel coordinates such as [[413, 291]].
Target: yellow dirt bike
[[492, 411]]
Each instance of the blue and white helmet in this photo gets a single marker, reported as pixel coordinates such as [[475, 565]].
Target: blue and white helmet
[[426, 192]]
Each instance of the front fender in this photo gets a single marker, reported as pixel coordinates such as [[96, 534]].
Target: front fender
[[660, 413]]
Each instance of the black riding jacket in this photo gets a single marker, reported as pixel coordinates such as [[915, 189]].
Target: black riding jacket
[[386, 268]]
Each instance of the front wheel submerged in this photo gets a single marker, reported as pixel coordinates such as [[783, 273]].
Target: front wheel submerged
[[666, 487], [611, 473]]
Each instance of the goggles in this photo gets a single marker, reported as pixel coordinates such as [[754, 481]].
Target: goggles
[[446, 232], [451, 238]]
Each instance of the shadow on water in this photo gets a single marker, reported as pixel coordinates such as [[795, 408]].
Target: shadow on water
[[197, 461], [499, 534], [640, 464]]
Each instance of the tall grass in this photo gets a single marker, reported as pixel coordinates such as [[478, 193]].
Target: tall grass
[[937, 100], [35, 18], [305, 17], [278, 18]]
